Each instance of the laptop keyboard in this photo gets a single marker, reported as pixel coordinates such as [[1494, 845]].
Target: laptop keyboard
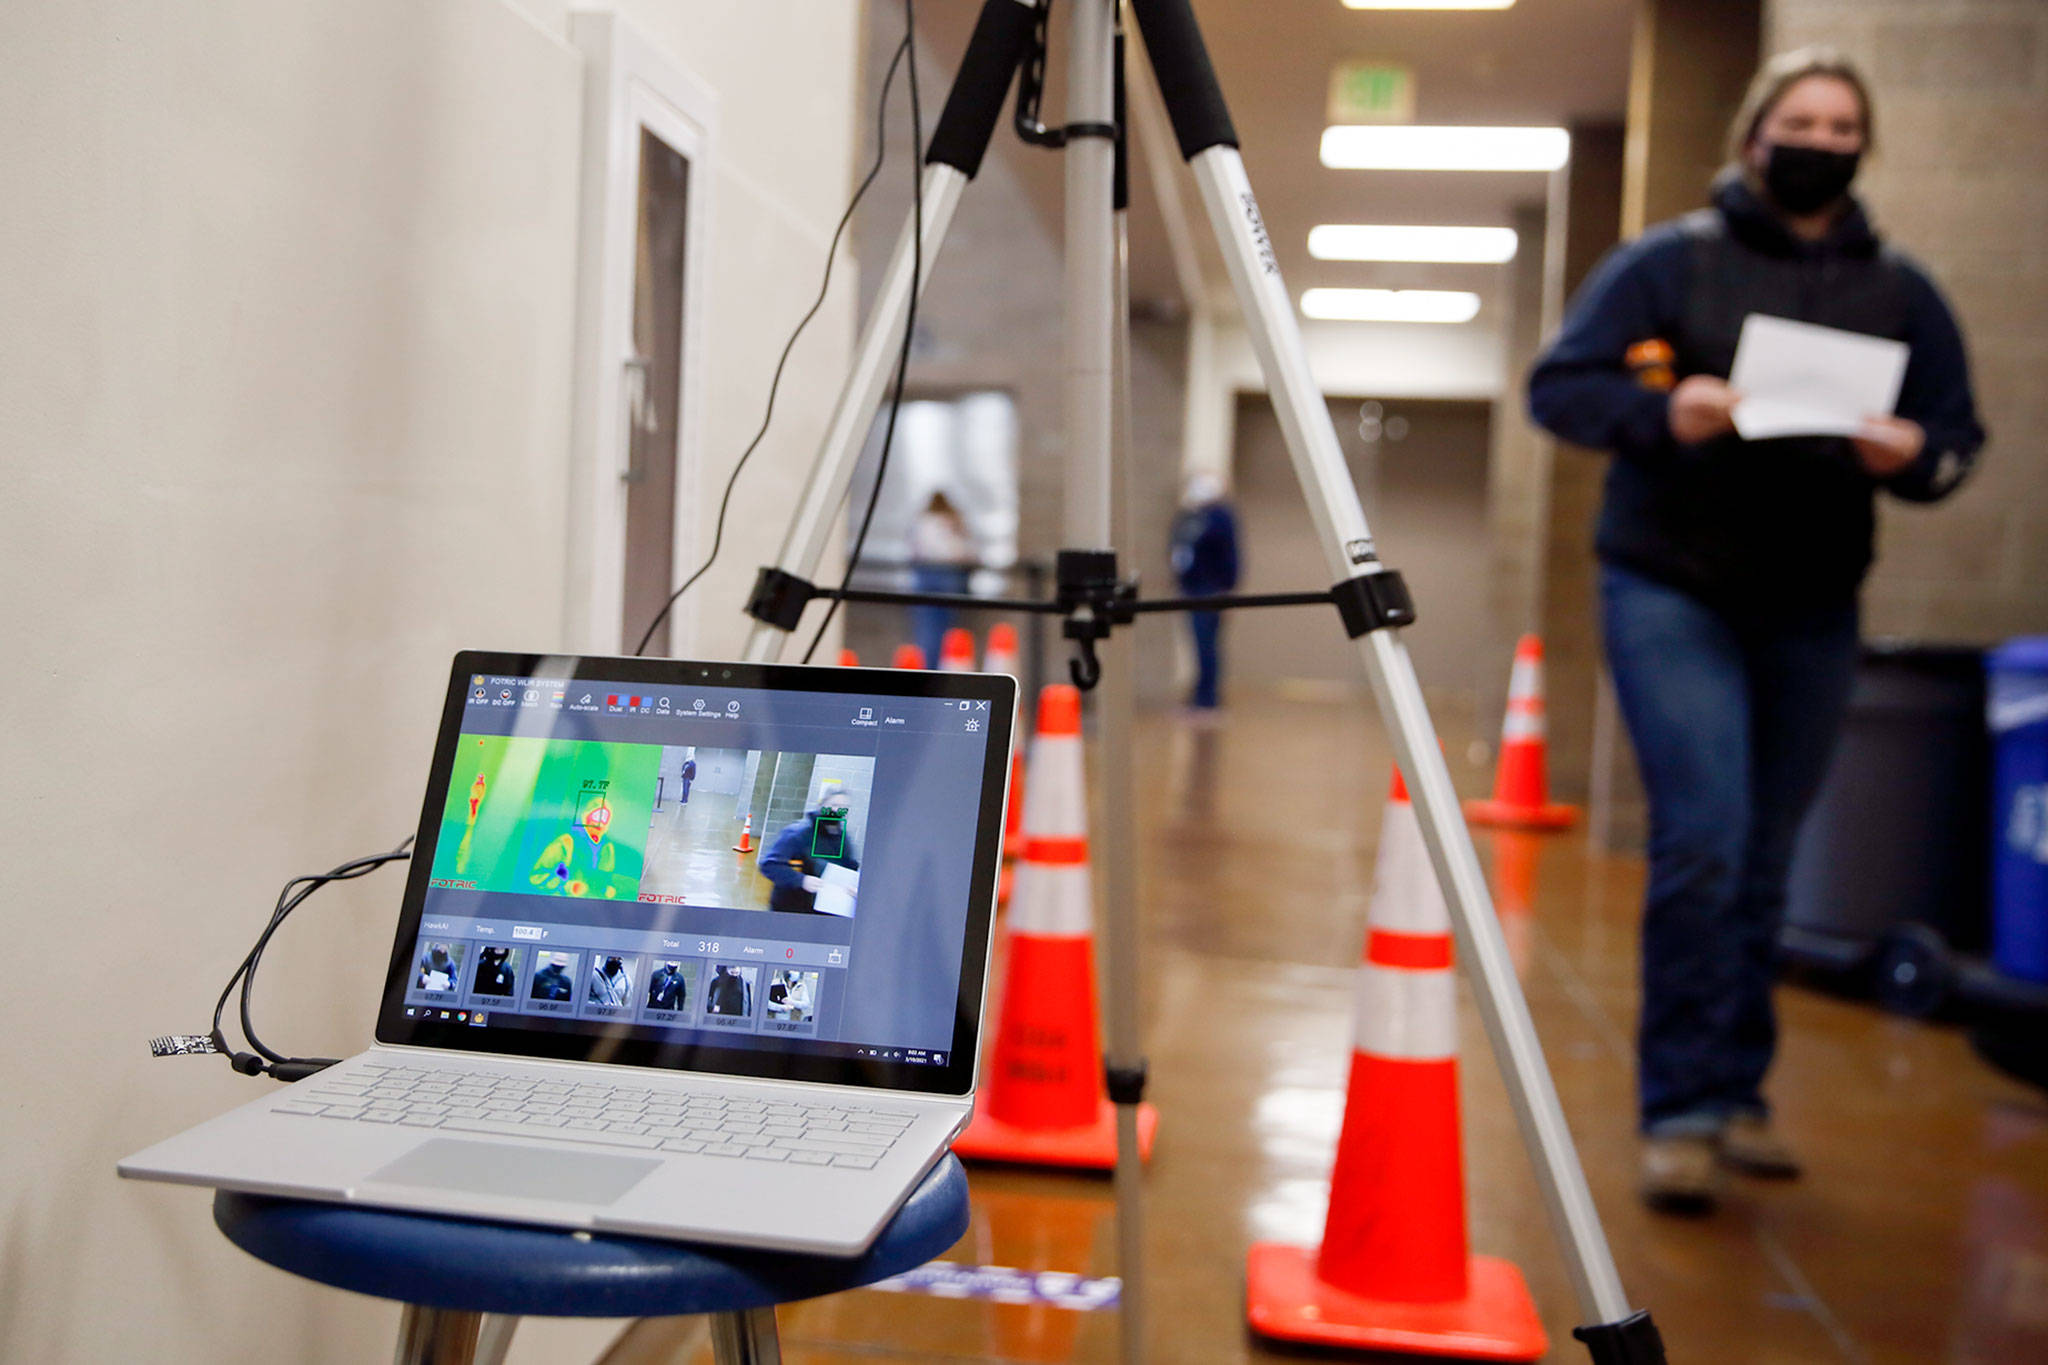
[[732, 1124]]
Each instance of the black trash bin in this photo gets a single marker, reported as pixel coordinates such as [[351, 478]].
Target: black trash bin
[[1890, 868]]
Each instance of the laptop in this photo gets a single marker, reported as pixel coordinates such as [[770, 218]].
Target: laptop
[[687, 950]]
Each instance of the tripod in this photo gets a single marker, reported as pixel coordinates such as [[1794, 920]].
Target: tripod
[[1093, 601]]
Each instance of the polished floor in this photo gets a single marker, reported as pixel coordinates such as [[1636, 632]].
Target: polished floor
[[1920, 1232], [690, 853]]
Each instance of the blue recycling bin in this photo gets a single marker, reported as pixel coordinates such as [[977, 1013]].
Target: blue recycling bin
[[2017, 708]]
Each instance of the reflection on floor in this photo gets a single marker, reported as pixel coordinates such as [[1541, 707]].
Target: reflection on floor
[[690, 854], [1920, 1232]]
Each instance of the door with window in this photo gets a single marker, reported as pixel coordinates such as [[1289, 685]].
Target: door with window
[[648, 128]]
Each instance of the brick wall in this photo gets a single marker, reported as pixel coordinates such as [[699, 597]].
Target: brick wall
[[1961, 95]]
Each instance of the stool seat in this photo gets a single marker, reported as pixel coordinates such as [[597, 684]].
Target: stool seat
[[470, 1266]]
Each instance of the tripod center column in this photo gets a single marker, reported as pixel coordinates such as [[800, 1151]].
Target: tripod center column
[[1090, 270]]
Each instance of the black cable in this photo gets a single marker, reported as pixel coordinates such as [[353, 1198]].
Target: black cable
[[774, 384], [909, 326], [265, 1058]]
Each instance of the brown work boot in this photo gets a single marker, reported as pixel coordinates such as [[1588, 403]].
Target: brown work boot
[[1679, 1174], [1749, 1144]]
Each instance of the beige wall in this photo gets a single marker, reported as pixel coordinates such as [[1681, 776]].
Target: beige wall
[[1426, 496], [1961, 91], [285, 323]]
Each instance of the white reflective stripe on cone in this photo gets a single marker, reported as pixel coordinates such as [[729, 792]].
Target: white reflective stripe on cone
[[1521, 724], [1405, 1015], [1526, 678], [1051, 901], [1405, 896], [1056, 797]]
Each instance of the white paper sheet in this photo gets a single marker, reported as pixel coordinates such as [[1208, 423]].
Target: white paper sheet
[[836, 896], [1797, 379]]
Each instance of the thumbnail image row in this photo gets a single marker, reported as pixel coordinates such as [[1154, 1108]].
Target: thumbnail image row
[[634, 987]]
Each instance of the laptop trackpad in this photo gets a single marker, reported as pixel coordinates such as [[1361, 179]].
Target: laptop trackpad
[[516, 1172]]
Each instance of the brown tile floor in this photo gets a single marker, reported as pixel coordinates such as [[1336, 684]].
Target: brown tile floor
[[1919, 1234]]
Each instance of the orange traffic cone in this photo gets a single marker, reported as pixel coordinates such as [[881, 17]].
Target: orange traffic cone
[[1002, 649], [956, 651], [907, 656], [848, 659], [1521, 786], [746, 843], [1002, 658], [1042, 1100], [1394, 1272]]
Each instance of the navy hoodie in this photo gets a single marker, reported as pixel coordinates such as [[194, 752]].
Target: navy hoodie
[[1747, 525]]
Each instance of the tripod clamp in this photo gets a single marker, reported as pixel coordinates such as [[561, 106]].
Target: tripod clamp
[[1093, 599], [1031, 91]]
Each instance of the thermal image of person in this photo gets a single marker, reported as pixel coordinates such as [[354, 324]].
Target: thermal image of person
[[727, 994], [795, 859], [552, 982], [667, 990], [609, 983], [494, 975]]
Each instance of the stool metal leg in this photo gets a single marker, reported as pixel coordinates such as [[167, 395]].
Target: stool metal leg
[[436, 1336], [494, 1338], [745, 1337]]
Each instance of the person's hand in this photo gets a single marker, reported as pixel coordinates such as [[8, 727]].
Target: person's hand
[[1887, 445], [1702, 407]]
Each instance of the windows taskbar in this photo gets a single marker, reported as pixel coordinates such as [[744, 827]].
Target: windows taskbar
[[910, 1056]]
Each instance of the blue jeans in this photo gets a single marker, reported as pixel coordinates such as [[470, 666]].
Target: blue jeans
[[1207, 627], [1733, 721], [928, 625]]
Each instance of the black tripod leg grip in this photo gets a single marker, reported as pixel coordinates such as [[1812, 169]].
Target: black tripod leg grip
[[1187, 82], [1002, 35], [1632, 1341]]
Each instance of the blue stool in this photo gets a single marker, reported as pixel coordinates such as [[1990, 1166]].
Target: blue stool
[[450, 1272]]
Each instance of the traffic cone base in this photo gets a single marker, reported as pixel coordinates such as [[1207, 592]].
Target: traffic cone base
[[1495, 1320], [1090, 1147], [1505, 815]]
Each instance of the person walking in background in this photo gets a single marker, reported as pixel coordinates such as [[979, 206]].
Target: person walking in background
[[941, 558], [1205, 564], [1730, 570]]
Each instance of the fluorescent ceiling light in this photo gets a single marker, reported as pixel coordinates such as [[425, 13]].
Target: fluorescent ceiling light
[[1414, 147], [1427, 4], [1389, 242], [1390, 305]]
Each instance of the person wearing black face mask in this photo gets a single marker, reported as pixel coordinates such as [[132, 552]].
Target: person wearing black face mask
[[1730, 571]]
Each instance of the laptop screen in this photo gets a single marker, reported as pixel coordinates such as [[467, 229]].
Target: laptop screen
[[759, 870]]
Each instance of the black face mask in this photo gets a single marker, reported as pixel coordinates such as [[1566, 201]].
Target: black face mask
[[1806, 180]]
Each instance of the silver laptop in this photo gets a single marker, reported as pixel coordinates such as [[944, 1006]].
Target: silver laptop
[[691, 950]]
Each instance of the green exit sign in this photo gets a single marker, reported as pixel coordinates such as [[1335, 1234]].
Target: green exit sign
[[1372, 92]]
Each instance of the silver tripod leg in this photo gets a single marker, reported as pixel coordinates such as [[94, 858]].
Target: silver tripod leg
[[810, 529], [1341, 526], [1121, 972], [1099, 516]]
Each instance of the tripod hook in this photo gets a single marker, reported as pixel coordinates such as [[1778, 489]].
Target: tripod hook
[[1094, 600], [1085, 668], [1031, 85]]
